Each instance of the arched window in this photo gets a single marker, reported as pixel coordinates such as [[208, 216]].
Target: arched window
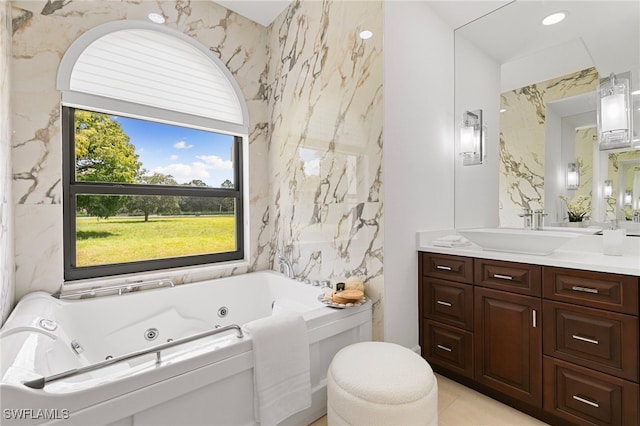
[[153, 127]]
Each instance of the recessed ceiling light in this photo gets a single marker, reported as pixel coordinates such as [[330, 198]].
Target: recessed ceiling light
[[156, 17], [503, 110], [554, 18], [366, 34]]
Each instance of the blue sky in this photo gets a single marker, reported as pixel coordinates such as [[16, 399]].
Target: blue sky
[[184, 153]]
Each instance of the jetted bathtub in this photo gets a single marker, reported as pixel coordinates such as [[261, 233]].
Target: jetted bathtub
[[205, 381]]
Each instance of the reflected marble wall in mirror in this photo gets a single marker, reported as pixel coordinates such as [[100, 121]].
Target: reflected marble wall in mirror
[[545, 79]]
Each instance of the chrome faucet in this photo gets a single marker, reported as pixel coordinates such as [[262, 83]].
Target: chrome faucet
[[527, 214], [285, 266], [538, 219]]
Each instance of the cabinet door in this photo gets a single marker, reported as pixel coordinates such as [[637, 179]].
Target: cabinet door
[[508, 344]]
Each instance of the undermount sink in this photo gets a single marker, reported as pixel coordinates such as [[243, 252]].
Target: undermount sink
[[515, 240]]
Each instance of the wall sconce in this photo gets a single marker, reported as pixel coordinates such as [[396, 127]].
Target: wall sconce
[[608, 188], [472, 138], [573, 176], [614, 113], [628, 198]]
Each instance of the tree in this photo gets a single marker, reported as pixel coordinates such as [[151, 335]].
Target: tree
[[154, 204], [227, 204], [198, 204], [103, 154]]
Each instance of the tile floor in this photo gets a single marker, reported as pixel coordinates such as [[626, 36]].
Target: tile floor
[[460, 406]]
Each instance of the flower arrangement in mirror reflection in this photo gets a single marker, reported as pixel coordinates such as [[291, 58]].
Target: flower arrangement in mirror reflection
[[578, 208]]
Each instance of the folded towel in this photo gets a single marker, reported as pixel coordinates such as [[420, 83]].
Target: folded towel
[[286, 305], [451, 241], [281, 366]]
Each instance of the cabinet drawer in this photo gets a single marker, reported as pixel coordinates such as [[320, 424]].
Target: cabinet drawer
[[448, 267], [602, 340], [596, 289], [583, 396], [448, 347], [509, 276], [448, 302]]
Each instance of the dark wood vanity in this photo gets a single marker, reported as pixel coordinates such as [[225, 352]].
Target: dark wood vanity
[[559, 344]]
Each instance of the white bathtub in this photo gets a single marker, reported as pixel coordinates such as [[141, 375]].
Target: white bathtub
[[208, 381]]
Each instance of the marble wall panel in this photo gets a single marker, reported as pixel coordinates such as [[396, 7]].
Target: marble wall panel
[[325, 151], [314, 93], [42, 32], [7, 262], [522, 142]]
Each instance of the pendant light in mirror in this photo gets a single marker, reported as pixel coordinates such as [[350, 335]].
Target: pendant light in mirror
[[614, 113], [573, 176], [472, 138]]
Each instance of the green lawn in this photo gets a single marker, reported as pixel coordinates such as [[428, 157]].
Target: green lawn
[[126, 239]]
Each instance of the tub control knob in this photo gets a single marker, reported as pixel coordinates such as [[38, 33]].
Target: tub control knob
[[48, 325]]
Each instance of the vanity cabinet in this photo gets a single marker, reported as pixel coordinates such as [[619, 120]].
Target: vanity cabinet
[[560, 344], [591, 364], [446, 312]]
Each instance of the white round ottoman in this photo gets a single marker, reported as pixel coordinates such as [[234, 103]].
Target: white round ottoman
[[379, 383]]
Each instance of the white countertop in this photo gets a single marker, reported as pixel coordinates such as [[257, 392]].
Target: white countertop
[[583, 252]]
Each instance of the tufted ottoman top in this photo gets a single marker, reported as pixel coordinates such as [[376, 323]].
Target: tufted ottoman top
[[382, 372]]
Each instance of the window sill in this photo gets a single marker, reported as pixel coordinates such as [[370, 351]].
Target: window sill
[[185, 275]]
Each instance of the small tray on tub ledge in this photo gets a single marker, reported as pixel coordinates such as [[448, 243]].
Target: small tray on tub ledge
[[333, 304]]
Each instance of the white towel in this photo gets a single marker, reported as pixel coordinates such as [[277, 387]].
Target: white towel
[[281, 366], [451, 241]]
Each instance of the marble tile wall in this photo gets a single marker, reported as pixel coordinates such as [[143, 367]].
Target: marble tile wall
[[325, 154], [314, 92], [522, 143], [6, 202], [43, 30]]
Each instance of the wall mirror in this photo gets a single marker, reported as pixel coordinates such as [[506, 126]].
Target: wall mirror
[[537, 87]]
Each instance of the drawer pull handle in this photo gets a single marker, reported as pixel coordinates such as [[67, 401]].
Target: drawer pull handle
[[442, 302], [444, 348], [585, 339], [503, 277], [584, 289], [586, 401], [446, 268], [534, 318]]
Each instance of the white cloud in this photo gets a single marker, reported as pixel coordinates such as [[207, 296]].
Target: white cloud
[[216, 162], [173, 157], [182, 145], [184, 173]]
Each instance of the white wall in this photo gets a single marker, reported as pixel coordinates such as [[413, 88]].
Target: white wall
[[477, 79], [417, 153]]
